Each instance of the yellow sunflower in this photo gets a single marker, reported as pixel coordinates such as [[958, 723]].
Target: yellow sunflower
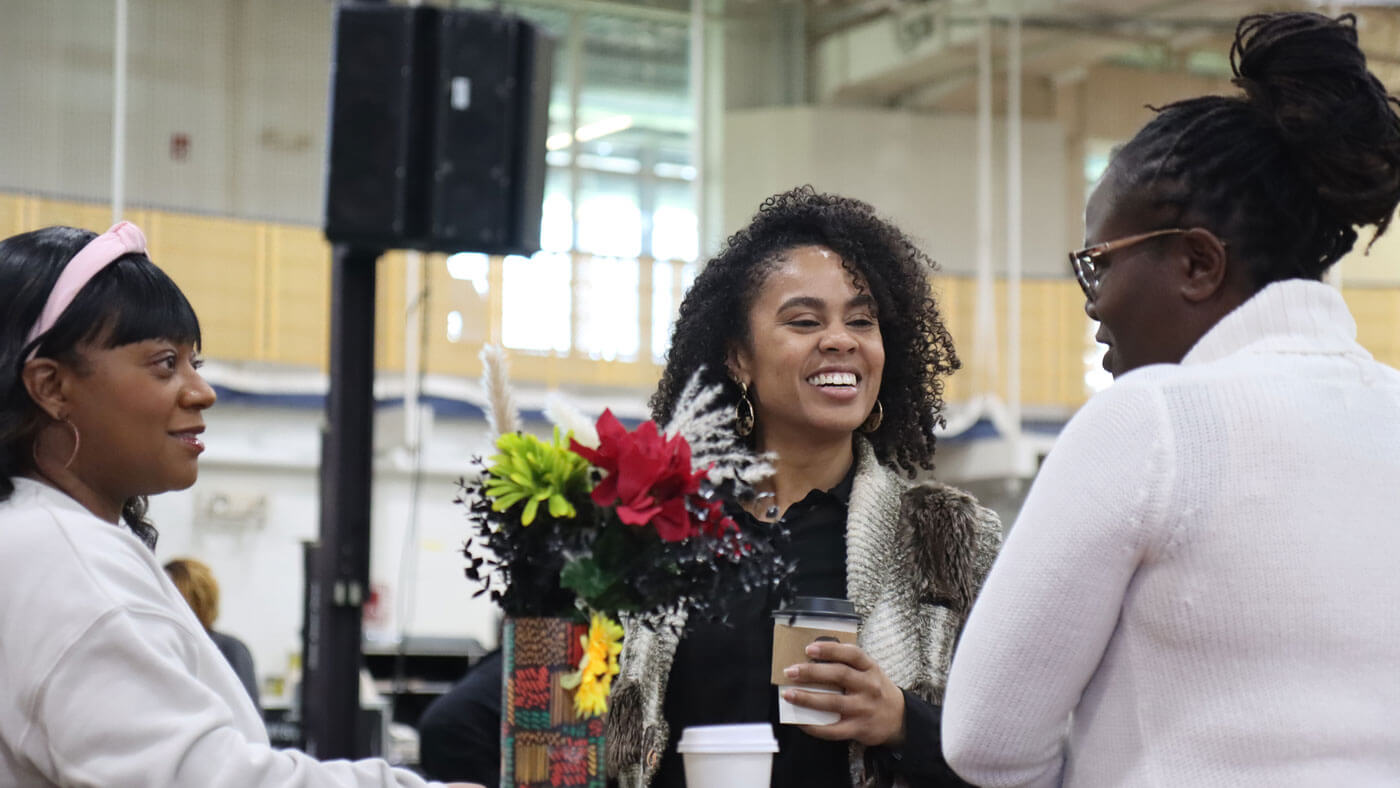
[[593, 682]]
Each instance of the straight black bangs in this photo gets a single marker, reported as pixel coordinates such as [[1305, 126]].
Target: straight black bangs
[[129, 301]]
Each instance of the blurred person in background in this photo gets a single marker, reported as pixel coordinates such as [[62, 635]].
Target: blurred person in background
[[460, 731], [196, 583]]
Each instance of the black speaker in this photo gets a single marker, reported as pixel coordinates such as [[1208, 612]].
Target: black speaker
[[438, 124], [382, 63], [490, 117]]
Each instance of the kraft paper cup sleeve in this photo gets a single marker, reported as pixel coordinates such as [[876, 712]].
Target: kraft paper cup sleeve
[[790, 646]]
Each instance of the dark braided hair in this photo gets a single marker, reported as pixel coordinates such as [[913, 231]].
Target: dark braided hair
[[1286, 172], [130, 300], [918, 349]]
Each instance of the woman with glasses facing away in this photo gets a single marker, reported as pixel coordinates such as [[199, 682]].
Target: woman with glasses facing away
[[106, 676], [1201, 588]]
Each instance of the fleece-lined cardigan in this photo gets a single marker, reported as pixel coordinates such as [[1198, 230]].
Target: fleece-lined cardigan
[[916, 555]]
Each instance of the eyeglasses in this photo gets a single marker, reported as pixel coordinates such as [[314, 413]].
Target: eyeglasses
[[1086, 261]]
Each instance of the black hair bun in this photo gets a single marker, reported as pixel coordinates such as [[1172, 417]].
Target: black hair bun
[[1307, 73]]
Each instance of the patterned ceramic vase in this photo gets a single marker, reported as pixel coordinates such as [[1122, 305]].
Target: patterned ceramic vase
[[543, 740]]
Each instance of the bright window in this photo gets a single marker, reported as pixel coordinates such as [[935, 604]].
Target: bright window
[[537, 303], [608, 309], [664, 303], [618, 186]]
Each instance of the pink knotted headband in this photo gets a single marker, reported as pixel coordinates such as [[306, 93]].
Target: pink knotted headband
[[124, 238]]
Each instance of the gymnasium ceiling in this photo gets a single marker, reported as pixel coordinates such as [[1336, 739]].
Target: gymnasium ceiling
[[918, 53], [915, 53]]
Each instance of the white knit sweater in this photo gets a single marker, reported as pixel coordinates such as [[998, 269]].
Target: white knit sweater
[[107, 679], [1203, 588]]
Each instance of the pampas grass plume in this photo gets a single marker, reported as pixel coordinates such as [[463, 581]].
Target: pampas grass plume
[[501, 413]]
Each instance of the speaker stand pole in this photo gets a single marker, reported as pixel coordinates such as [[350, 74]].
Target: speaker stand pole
[[341, 585]]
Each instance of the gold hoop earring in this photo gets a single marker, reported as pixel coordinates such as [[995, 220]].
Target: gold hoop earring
[[744, 415], [77, 442], [875, 419]]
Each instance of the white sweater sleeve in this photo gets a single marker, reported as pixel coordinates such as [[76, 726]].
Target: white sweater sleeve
[[121, 709], [1052, 599]]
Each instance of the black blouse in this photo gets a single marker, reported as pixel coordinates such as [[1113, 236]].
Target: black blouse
[[721, 671], [720, 674]]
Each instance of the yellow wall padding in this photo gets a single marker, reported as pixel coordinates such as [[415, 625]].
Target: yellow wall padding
[[262, 291]]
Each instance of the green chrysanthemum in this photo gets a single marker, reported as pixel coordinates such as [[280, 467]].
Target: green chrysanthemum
[[530, 470]]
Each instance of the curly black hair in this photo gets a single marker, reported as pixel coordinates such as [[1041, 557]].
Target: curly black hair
[[714, 316], [1285, 172]]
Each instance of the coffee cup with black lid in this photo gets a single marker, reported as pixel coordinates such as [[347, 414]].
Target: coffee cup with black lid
[[806, 621]]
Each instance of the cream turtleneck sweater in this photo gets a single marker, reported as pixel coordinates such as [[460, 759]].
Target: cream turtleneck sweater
[[1203, 587]]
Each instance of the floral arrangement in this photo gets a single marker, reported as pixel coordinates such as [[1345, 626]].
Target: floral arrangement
[[602, 521]]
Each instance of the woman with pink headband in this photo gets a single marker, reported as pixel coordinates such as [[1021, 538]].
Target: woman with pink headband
[[106, 677]]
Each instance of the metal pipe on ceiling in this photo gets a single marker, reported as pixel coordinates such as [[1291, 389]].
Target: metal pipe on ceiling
[[1014, 182], [119, 91], [985, 337]]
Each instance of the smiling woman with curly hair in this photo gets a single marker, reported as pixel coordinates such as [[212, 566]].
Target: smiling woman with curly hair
[[919, 351], [817, 321]]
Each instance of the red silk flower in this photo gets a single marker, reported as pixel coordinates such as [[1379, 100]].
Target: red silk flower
[[648, 475], [716, 521]]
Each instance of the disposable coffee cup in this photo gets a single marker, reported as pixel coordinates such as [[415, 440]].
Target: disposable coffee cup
[[808, 620], [728, 756]]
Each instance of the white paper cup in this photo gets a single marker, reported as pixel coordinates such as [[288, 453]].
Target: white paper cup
[[792, 714], [728, 756]]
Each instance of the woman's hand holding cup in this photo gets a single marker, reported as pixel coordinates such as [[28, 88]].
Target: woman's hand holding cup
[[871, 706]]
